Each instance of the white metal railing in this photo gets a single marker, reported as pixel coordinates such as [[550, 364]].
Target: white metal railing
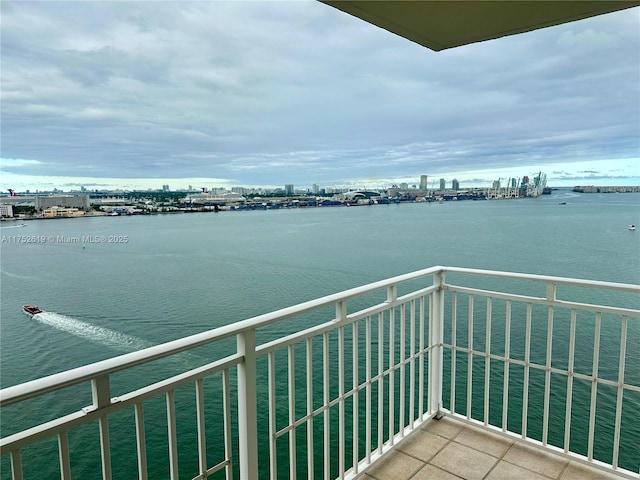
[[331, 398]]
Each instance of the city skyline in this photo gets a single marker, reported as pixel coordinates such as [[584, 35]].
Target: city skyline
[[134, 95]]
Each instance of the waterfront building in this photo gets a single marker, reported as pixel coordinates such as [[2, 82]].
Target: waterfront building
[[288, 189], [214, 198], [58, 212], [66, 201], [6, 210], [443, 184], [606, 189], [423, 183], [455, 185]]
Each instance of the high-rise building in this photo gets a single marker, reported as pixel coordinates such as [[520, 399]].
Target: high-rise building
[[455, 185], [288, 189], [314, 188], [423, 182], [443, 184]]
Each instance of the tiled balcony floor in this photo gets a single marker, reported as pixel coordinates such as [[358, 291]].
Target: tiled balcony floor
[[450, 450]]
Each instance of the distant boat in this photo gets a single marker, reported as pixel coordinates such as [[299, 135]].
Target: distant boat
[[31, 310], [562, 203], [632, 227]]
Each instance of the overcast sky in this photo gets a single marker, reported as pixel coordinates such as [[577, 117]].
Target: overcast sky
[[141, 94]]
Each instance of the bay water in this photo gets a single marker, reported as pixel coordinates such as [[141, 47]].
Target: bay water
[[146, 280]]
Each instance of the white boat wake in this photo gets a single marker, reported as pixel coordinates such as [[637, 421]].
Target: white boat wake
[[13, 226], [104, 336], [120, 342]]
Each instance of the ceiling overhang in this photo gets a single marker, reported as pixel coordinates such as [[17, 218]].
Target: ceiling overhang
[[439, 25]]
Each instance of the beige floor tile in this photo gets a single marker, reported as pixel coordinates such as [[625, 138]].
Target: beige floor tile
[[485, 442], [423, 445], [576, 471], [535, 459], [509, 471], [464, 461], [429, 472], [444, 427], [395, 466]]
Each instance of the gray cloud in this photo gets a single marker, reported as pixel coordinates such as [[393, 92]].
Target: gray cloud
[[268, 92]]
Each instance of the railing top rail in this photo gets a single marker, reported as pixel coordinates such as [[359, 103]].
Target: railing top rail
[[85, 373], [545, 278]]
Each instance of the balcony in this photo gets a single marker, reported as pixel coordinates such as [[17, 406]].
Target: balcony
[[445, 367]]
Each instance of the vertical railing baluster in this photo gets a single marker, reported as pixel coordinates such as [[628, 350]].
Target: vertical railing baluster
[[141, 443], [100, 390], [291, 385], [273, 451], [620, 393], [569, 395], [412, 365], [368, 411], [247, 406], [392, 296], [16, 465], [63, 450], [326, 426], [547, 377], [355, 360], [594, 387], [421, 361], [172, 435], [200, 421], [226, 407], [401, 359], [341, 315], [507, 354], [392, 393], [341, 426], [454, 316], [310, 446], [525, 385], [487, 361], [380, 380], [470, 358]]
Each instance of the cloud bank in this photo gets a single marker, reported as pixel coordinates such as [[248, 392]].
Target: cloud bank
[[267, 93]]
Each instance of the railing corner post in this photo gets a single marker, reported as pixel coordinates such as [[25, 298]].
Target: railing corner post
[[247, 406], [436, 329]]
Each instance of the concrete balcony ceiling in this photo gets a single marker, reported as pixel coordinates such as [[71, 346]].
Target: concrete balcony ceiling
[[439, 25]]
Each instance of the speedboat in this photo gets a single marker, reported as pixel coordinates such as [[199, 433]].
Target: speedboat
[[632, 227], [31, 310]]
